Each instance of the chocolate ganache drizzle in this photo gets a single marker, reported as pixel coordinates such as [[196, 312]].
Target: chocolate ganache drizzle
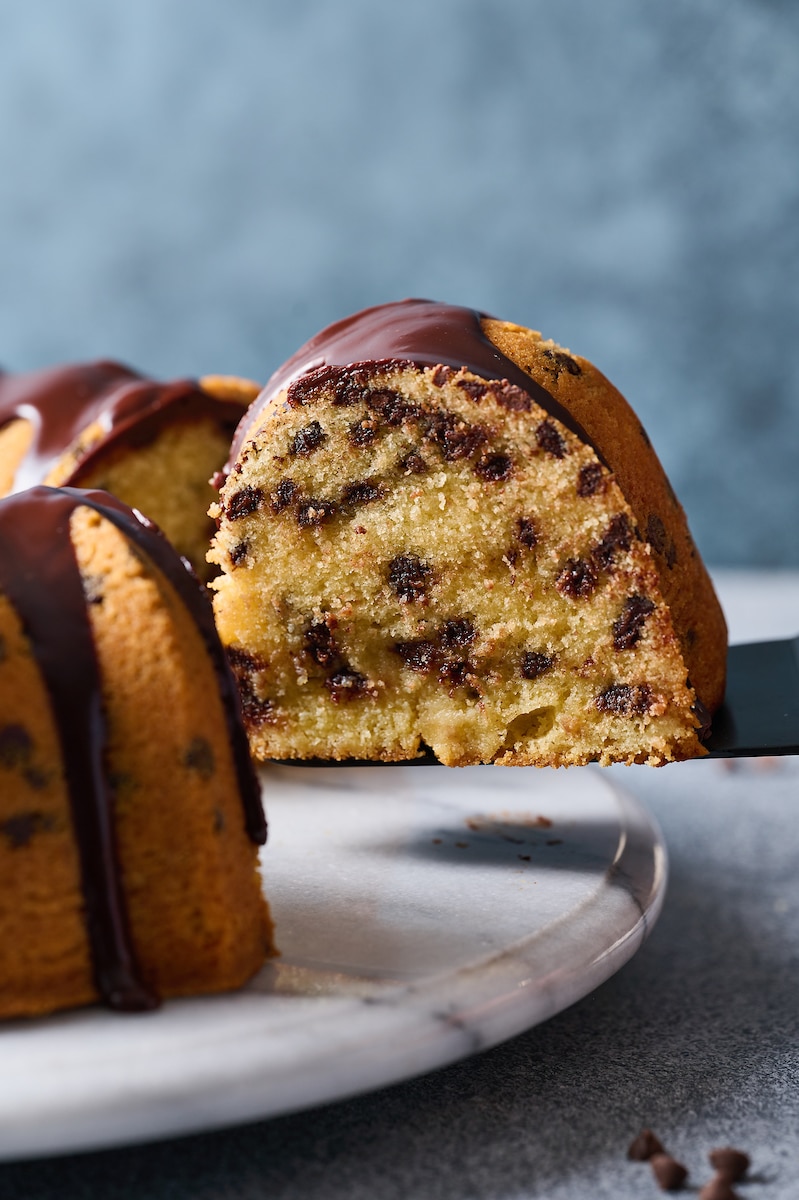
[[62, 402], [422, 332], [40, 576]]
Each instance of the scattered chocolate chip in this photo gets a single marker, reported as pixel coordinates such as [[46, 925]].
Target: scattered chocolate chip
[[591, 480], [719, 1188], [669, 1173], [362, 433], [409, 576], [285, 492], [562, 362], [364, 491], [346, 684], [526, 532], [413, 464], [550, 440], [455, 437], [535, 664], [319, 643], [22, 827], [577, 579], [644, 1146], [625, 699], [307, 439], [730, 1162], [315, 512], [392, 408], [458, 631], [199, 757], [242, 503], [16, 746], [618, 536], [239, 553], [629, 624], [418, 656], [494, 468]]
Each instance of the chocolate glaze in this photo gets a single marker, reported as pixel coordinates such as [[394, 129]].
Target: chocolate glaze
[[62, 402], [422, 332], [40, 576]]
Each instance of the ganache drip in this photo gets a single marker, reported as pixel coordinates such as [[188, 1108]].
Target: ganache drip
[[61, 403], [422, 332], [39, 574]]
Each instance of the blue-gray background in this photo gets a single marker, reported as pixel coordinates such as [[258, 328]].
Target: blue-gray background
[[199, 186]]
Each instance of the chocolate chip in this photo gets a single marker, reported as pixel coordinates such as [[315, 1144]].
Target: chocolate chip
[[392, 408], [475, 388], [619, 536], [307, 439], [199, 757], [629, 624], [409, 576], [413, 464], [319, 643], [719, 1188], [669, 1174], [456, 632], [512, 398], [656, 533], [550, 440], [625, 699], [243, 662], [255, 710], [442, 375], [455, 438], [454, 673], [577, 579], [494, 468], [535, 664], [21, 828], [364, 491], [285, 492], [644, 1146], [239, 553], [526, 532], [418, 656], [591, 480], [315, 512], [244, 502], [730, 1162], [562, 362], [346, 684], [349, 393], [16, 746], [362, 433]]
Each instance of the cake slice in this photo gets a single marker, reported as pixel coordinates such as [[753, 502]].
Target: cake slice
[[442, 530]]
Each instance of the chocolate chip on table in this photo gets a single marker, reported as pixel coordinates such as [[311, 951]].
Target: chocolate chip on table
[[625, 700], [730, 1162], [577, 579], [591, 480], [242, 503], [550, 440], [718, 1188], [307, 439], [409, 576], [644, 1146], [628, 626], [669, 1174]]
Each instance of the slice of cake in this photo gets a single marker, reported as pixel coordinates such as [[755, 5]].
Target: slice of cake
[[130, 816], [101, 425], [442, 530]]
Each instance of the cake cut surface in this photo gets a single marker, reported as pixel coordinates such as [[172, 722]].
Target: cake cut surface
[[442, 530], [130, 816]]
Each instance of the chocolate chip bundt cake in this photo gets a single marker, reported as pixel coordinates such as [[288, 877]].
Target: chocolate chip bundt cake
[[439, 529], [129, 812], [101, 425]]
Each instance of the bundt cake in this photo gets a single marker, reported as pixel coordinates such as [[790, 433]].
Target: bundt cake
[[130, 814], [101, 425], [442, 530]]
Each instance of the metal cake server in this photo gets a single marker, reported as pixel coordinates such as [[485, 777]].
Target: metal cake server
[[759, 717]]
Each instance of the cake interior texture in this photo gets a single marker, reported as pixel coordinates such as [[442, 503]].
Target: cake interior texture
[[419, 556], [128, 861]]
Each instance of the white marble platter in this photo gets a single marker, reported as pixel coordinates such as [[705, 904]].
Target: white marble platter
[[422, 915]]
